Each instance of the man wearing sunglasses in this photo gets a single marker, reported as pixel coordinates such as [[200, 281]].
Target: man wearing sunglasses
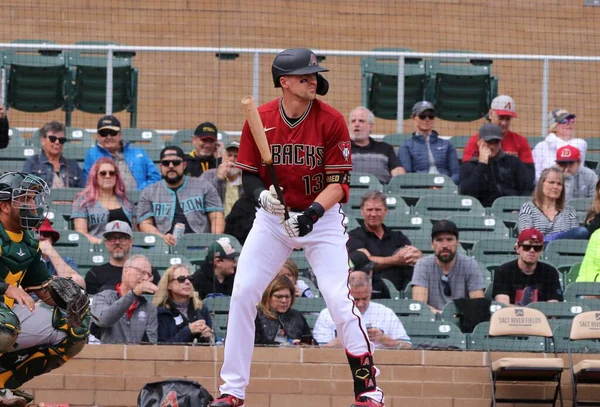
[[493, 173], [50, 164], [580, 181], [136, 168], [446, 275], [525, 280], [179, 198]]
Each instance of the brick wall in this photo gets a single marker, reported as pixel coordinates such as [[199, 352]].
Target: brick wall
[[112, 375]]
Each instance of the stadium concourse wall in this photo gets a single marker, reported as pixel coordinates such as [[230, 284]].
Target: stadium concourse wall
[[112, 375], [180, 90]]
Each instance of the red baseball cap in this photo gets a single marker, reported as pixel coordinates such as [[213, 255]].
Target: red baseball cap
[[47, 228], [531, 234], [568, 154]]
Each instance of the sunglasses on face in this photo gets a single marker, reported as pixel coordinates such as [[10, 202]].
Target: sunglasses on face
[[181, 279], [565, 121], [105, 173], [61, 140], [426, 116], [120, 238], [106, 133], [446, 286], [167, 163], [536, 247]]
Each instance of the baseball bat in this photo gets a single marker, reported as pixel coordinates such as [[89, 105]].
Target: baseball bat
[[260, 138]]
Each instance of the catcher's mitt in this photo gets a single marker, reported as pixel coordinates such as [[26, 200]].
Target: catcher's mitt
[[69, 297]]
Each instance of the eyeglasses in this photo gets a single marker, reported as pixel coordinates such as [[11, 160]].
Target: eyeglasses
[[61, 140], [536, 247], [141, 271], [565, 121], [105, 173], [282, 296], [181, 279], [426, 116], [106, 133], [167, 163], [120, 238], [446, 286]]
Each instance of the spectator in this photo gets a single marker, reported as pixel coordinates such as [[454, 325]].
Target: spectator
[[525, 280], [102, 201], [179, 198], [118, 240], [360, 262], [215, 277], [501, 113], [182, 318], [370, 156], [136, 168], [50, 164], [492, 173], [580, 181], [383, 326], [204, 156], [4, 127], [57, 265], [547, 211], [227, 179], [276, 322], [390, 250], [122, 314], [589, 272], [290, 270], [561, 125], [425, 151], [239, 221], [592, 219], [446, 275]]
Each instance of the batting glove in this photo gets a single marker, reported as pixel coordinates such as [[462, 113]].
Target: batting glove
[[299, 225], [269, 202]]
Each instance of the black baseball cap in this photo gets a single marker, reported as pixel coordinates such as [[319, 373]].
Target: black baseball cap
[[360, 261], [109, 123], [444, 226], [173, 150], [206, 130]]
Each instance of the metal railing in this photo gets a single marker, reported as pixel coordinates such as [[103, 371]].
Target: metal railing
[[256, 52]]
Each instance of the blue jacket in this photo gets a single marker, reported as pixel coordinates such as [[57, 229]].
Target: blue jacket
[[69, 172], [414, 157], [141, 165], [174, 327]]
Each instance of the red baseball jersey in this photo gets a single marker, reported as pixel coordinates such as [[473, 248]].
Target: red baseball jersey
[[318, 142], [512, 143]]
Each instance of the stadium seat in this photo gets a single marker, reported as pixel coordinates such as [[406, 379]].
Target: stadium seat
[[396, 206], [219, 327], [143, 138], [153, 244], [507, 208], [18, 153], [361, 182], [194, 246], [10, 165], [412, 226], [85, 259], [572, 274], [408, 308], [309, 305], [55, 215], [396, 140], [463, 89], [217, 305], [76, 151], [74, 241], [575, 292], [301, 261], [434, 334], [581, 207], [394, 293], [494, 252], [584, 337], [459, 142], [413, 186], [16, 137], [564, 253], [89, 77], [473, 228], [163, 261], [64, 195], [380, 84], [559, 313], [443, 206], [516, 329], [451, 313]]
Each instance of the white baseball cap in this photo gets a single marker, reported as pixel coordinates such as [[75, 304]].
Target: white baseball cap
[[117, 226], [504, 105]]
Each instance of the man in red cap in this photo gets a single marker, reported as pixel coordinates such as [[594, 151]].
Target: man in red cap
[[580, 181], [57, 265], [525, 280]]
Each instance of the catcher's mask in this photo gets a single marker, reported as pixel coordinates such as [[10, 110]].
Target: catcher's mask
[[27, 193]]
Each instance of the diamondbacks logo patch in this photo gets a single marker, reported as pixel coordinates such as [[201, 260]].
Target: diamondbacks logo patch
[[313, 60], [170, 400], [345, 148]]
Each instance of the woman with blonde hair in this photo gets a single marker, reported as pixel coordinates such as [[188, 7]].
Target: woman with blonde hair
[[276, 321], [182, 318], [547, 211]]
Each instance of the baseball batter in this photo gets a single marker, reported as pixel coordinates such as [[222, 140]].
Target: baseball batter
[[311, 153]]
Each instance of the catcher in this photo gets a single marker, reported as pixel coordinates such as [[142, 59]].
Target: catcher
[[33, 339]]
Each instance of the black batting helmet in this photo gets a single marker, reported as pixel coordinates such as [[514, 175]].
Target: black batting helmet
[[298, 61]]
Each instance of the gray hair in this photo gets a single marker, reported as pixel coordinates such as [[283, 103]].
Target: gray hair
[[54, 127], [129, 262], [358, 279], [370, 115], [376, 195]]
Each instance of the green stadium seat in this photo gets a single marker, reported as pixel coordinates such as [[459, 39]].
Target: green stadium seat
[[396, 140], [394, 293], [75, 136], [534, 140], [55, 215], [74, 241], [575, 291], [561, 332], [162, 261], [408, 308], [496, 252], [434, 333], [380, 84], [301, 261], [152, 243], [309, 305], [459, 142], [217, 305], [361, 182], [16, 137], [311, 319], [525, 343], [64, 195], [507, 208], [18, 153], [464, 89], [76, 151], [143, 138], [219, 327], [443, 206], [413, 186], [10, 165], [572, 274], [581, 207], [412, 226], [564, 253], [194, 246], [85, 260], [558, 313], [473, 228]]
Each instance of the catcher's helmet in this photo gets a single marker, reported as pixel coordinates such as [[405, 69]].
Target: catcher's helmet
[[298, 61], [27, 193]]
